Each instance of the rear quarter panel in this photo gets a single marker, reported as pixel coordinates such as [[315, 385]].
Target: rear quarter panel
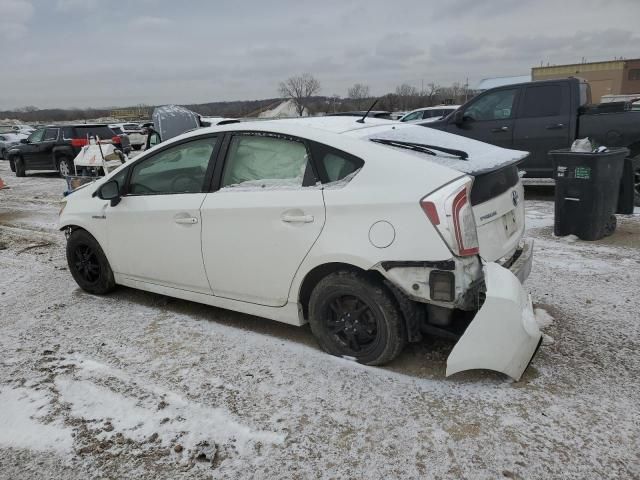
[[375, 195]]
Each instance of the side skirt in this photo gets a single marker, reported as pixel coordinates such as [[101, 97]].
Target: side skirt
[[287, 314]]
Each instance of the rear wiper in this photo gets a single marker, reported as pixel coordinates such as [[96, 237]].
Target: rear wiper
[[421, 147]]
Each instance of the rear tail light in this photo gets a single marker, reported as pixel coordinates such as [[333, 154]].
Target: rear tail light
[[450, 211], [79, 142], [115, 139]]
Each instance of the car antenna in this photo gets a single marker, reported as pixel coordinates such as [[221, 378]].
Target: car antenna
[[361, 120]]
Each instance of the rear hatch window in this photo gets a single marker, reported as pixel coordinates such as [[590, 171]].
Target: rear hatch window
[[481, 157]]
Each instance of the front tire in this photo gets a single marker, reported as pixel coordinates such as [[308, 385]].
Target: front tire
[[19, 167], [356, 317], [12, 165], [88, 264]]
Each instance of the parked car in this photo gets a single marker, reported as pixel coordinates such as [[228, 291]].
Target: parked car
[[360, 113], [137, 138], [375, 234], [7, 141], [54, 147], [542, 116], [429, 114]]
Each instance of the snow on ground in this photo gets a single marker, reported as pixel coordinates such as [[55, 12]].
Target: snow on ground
[[139, 385]]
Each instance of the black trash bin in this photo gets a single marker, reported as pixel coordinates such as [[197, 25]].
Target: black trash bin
[[587, 189]]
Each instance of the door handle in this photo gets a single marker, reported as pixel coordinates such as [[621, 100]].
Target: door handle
[[297, 218], [186, 220], [500, 129], [557, 126]]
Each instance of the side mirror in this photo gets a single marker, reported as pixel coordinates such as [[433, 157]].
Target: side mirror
[[110, 191], [458, 117], [154, 139], [24, 141]]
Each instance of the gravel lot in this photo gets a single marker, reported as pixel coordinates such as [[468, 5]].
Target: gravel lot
[[139, 385]]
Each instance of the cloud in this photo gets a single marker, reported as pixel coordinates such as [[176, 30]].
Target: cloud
[[14, 17], [147, 23]]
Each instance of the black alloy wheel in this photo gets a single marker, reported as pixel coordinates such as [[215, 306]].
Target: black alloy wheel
[[352, 322], [86, 263], [353, 315]]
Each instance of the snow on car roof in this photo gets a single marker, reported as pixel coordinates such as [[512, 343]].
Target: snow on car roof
[[483, 157]]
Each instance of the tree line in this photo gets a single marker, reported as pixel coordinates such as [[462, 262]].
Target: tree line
[[303, 90]]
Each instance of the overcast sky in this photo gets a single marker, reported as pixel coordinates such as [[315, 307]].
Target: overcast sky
[[66, 53]]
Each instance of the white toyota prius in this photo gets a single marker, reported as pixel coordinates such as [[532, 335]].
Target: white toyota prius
[[376, 233]]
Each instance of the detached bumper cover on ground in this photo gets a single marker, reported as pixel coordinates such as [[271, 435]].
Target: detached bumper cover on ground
[[503, 335]]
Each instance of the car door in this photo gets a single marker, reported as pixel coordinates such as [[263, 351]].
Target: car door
[[45, 159], [154, 232], [262, 219], [489, 118], [30, 151], [543, 124]]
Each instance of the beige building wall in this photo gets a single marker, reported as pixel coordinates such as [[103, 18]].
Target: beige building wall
[[606, 78]]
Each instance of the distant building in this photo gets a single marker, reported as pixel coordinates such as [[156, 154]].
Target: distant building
[[487, 83], [140, 112], [613, 77]]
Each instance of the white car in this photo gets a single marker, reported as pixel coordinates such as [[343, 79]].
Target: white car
[[9, 140], [374, 233], [133, 131], [429, 114]]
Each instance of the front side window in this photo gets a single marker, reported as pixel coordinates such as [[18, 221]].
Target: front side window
[[493, 106], [36, 136], [179, 169], [265, 161], [542, 101], [50, 134], [412, 116]]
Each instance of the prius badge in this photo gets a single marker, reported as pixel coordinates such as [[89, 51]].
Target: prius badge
[[515, 198]]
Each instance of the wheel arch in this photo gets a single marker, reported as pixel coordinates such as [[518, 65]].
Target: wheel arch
[[411, 313]]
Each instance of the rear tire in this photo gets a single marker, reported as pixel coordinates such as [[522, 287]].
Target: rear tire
[[65, 166], [137, 147], [19, 167], [356, 317], [88, 264]]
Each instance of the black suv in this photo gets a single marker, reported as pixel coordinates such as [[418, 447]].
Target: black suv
[[54, 147]]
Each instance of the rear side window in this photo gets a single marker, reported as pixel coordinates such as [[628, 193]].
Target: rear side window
[[542, 101], [265, 161], [50, 134], [117, 130], [104, 132], [334, 164]]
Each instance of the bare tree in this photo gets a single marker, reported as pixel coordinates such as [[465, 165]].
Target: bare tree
[[406, 93], [300, 89], [431, 93], [359, 93]]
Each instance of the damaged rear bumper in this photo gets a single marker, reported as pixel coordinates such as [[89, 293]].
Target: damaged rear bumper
[[503, 336]]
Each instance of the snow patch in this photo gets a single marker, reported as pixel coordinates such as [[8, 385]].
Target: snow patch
[[22, 413], [177, 420], [543, 319]]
